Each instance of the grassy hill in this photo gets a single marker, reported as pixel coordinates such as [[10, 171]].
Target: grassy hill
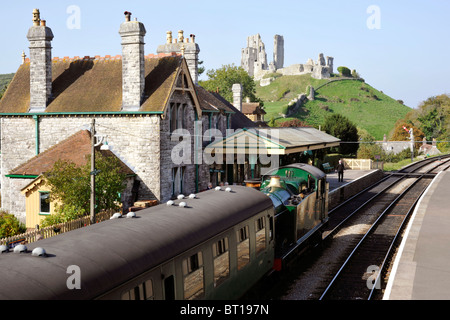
[[364, 105], [5, 79]]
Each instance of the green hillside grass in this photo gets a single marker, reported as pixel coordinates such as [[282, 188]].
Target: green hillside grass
[[364, 105], [5, 79]]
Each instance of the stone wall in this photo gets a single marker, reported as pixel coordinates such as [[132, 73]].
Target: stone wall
[[135, 140], [143, 142], [343, 193]]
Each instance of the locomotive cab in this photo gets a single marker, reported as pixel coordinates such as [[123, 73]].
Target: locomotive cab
[[299, 193]]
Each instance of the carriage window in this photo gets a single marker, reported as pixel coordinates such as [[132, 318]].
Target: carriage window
[[221, 261], [260, 235], [144, 291], [243, 247], [193, 277]]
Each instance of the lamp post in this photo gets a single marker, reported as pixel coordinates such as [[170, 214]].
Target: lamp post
[[94, 172], [92, 210]]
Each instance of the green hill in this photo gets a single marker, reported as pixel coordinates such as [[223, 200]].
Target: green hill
[[5, 79], [364, 105]]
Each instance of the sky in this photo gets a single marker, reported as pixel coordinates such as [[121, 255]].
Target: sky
[[399, 47]]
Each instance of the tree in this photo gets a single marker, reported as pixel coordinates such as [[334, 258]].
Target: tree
[[344, 71], [70, 185], [293, 123], [400, 134], [10, 225], [368, 149], [223, 79], [433, 115], [341, 127]]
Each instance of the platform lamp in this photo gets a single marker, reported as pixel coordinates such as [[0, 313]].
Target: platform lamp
[[94, 172]]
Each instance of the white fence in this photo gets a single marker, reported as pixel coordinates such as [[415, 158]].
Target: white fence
[[362, 164]]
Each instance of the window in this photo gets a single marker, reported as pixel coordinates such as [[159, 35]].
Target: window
[[177, 180], [180, 116], [173, 117], [243, 247], [44, 205], [221, 261], [260, 235], [193, 277], [144, 291]]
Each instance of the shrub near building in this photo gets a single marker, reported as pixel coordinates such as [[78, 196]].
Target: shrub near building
[[10, 225]]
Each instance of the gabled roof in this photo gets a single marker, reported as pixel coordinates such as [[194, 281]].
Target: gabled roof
[[210, 101], [76, 149], [252, 108], [238, 120], [95, 85], [273, 141]]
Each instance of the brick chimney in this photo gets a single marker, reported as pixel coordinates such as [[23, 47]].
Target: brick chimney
[[187, 47], [40, 37], [237, 96], [133, 63]]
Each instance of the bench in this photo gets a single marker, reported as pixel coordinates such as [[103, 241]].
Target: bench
[[326, 166]]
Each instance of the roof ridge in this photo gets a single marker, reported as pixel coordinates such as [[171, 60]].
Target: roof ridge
[[109, 57], [78, 133]]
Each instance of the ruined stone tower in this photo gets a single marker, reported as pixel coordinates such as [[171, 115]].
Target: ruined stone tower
[[133, 63], [278, 51], [254, 61], [254, 57], [40, 37]]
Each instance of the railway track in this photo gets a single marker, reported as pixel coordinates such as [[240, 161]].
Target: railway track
[[361, 272], [361, 238]]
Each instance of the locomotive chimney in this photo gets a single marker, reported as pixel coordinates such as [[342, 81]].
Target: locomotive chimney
[[275, 182]]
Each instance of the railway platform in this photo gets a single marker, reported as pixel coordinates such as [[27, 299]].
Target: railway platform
[[420, 270], [349, 177]]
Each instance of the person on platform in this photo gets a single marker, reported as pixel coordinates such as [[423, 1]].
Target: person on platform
[[340, 171]]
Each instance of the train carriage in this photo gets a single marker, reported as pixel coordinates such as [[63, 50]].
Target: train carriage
[[215, 247]]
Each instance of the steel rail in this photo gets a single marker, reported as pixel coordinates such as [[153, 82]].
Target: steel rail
[[374, 225], [391, 247], [337, 227]]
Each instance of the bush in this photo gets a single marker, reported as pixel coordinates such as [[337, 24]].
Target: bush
[[10, 225], [63, 214], [344, 71]]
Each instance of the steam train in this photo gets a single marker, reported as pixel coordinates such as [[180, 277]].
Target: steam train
[[212, 245]]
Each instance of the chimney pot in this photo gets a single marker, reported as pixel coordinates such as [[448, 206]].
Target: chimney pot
[[36, 17], [127, 16], [180, 36]]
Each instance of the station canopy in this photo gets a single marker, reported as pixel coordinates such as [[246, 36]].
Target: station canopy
[[279, 141]]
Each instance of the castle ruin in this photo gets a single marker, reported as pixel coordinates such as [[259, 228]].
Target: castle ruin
[[254, 61]]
